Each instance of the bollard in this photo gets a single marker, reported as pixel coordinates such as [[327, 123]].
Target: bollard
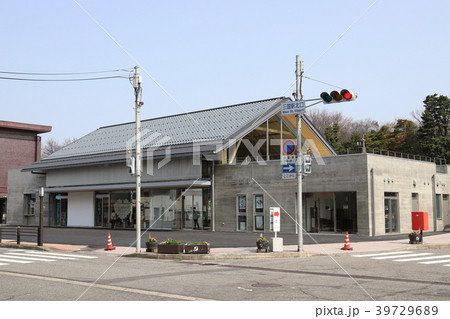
[[18, 235]]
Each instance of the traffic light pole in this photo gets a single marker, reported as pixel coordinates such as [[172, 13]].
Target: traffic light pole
[[137, 89], [298, 96]]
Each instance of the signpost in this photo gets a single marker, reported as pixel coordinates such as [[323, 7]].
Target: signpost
[[295, 107], [276, 243], [275, 213], [289, 147]]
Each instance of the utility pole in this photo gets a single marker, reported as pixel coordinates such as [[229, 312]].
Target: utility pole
[[298, 96], [137, 80]]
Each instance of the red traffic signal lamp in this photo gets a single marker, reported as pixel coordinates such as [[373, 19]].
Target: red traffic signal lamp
[[336, 97]]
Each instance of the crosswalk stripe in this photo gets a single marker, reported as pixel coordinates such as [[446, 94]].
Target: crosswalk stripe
[[422, 258], [26, 258], [16, 261], [39, 255], [400, 256], [58, 254], [447, 265], [383, 254], [1, 264], [435, 262]]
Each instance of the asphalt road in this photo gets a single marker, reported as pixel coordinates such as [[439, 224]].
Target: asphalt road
[[320, 278]]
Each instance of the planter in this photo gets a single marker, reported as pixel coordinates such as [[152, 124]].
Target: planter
[[415, 239], [170, 249], [196, 249], [151, 246], [262, 246]]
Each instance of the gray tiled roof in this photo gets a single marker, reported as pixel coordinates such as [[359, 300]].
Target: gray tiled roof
[[208, 125]]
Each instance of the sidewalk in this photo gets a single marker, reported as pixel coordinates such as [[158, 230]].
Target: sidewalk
[[430, 242]]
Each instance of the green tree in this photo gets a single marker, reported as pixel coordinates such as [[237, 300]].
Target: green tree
[[434, 133], [334, 137], [404, 137]]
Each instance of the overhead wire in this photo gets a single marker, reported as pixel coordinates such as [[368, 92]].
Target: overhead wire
[[40, 76], [334, 42], [68, 73], [63, 80]]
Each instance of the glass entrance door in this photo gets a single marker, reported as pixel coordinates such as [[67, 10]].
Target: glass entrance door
[[391, 212], [192, 203], [102, 212], [61, 210]]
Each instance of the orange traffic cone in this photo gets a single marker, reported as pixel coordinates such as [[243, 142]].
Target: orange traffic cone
[[347, 243], [109, 245]]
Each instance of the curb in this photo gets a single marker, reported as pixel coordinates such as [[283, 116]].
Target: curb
[[181, 257]]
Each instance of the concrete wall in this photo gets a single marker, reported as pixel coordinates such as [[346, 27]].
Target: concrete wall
[[404, 176], [19, 184], [369, 175], [251, 180], [176, 169]]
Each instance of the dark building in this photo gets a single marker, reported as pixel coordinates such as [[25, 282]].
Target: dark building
[[20, 145]]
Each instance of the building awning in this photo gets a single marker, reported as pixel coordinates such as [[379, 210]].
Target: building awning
[[130, 186]]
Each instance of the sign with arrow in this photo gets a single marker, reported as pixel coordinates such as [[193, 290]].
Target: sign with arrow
[[288, 168], [288, 171], [275, 216]]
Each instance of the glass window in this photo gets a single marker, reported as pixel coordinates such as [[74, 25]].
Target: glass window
[[438, 206], [259, 203], [391, 210], [241, 212], [30, 200], [259, 222], [242, 204], [415, 202]]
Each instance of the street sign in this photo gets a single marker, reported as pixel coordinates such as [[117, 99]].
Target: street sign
[[275, 214], [288, 147], [288, 168], [286, 159], [288, 175], [295, 107], [288, 171]]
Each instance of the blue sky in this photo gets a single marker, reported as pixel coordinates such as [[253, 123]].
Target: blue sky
[[208, 54]]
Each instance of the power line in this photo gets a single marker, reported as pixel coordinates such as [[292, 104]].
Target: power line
[[309, 78], [58, 74], [64, 80]]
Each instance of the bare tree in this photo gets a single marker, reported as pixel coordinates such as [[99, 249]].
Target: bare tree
[[417, 116], [52, 145]]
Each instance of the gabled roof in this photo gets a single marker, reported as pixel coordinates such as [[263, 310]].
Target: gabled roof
[[216, 126]]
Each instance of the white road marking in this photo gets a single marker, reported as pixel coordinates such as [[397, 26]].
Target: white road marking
[[15, 261], [383, 254], [423, 258], [400, 256], [39, 255], [435, 262], [26, 258], [61, 255]]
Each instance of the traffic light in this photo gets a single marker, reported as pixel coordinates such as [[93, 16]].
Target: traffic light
[[307, 164], [131, 162], [336, 97]]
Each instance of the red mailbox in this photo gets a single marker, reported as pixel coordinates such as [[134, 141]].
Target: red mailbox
[[419, 220]]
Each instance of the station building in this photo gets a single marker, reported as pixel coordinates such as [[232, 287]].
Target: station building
[[226, 163]]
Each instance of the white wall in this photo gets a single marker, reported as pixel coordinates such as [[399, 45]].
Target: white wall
[[81, 207]]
